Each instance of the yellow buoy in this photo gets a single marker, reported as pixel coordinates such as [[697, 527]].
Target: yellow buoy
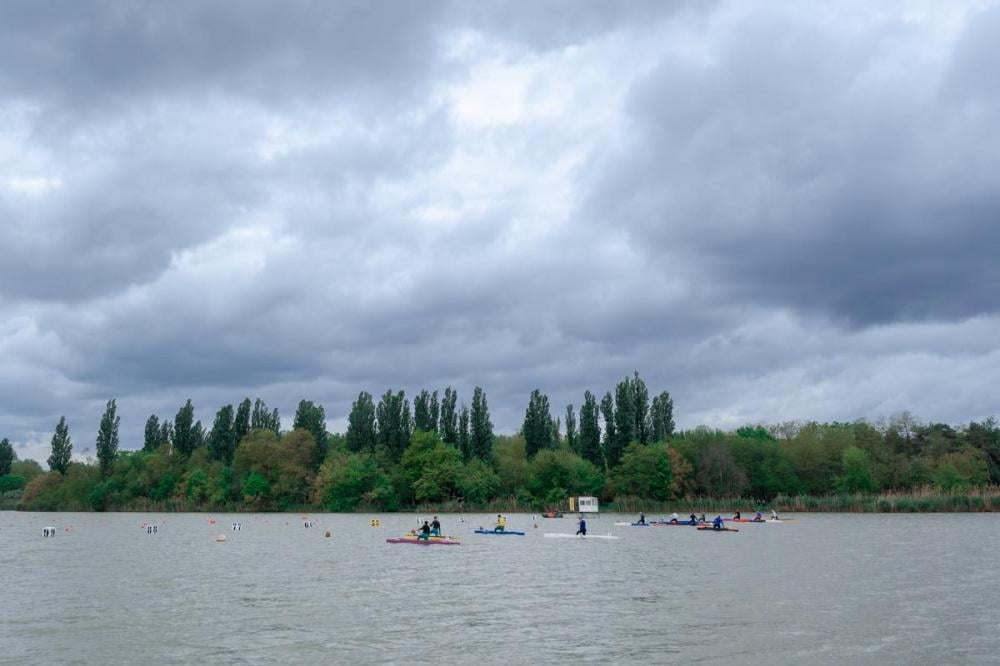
[[374, 522]]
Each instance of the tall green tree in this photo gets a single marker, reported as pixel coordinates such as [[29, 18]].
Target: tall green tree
[[463, 439], [857, 473], [241, 422], [222, 440], [361, 424], [151, 437], [590, 431], [448, 423], [7, 456], [480, 426], [166, 433], [612, 444], [262, 419], [425, 411], [393, 424], [645, 471], [185, 434], [107, 437], [662, 417], [571, 438], [537, 426], [312, 419], [435, 411], [640, 408], [625, 416], [62, 447]]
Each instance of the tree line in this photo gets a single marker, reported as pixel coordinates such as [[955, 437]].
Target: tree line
[[621, 445]]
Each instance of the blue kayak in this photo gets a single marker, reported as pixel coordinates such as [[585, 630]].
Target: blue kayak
[[504, 532]]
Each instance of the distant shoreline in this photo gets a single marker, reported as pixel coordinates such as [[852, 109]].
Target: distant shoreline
[[983, 500]]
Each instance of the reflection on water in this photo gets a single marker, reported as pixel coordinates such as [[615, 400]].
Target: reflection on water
[[829, 588]]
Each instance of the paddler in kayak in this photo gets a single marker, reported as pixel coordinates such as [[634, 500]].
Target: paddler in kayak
[[673, 518], [702, 519], [774, 514], [501, 524], [737, 516], [758, 518], [583, 526], [642, 518], [717, 523], [425, 532], [436, 527], [694, 519]]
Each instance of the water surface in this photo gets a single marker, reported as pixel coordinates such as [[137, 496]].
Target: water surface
[[830, 588]]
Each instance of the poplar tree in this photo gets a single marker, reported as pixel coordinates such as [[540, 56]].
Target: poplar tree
[[151, 437], [448, 423], [393, 424], [222, 439], [166, 433], [185, 435], [612, 452], [571, 438], [480, 426], [640, 410], [590, 431], [537, 426], [241, 422], [312, 418], [624, 416], [262, 419], [107, 438], [463, 440], [7, 456], [361, 424], [62, 447], [422, 411], [435, 411], [662, 417]]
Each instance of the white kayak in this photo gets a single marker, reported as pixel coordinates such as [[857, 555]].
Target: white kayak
[[624, 524], [561, 535]]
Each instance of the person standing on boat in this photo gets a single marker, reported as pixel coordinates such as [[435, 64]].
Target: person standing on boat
[[774, 514], [702, 519], [583, 526], [717, 523], [436, 527], [694, 519], [642, 518], [501, 523], [425, 532]]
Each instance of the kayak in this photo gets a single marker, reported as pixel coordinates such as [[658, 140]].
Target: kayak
[[744, 520], [712, 529], [683, 524], [500, 533], [561, 535], [433, 541]]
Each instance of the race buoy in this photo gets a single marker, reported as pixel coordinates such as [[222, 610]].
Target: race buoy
[[48, 531], [220, 538], [374, 522], [237, 527], [152, 529], [327, 535]]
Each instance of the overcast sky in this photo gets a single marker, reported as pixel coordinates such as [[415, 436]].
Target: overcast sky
[[774, 211]]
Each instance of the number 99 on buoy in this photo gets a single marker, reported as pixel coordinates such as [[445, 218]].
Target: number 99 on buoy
[[374, 522]]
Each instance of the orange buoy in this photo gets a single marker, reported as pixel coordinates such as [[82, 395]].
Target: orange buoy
[[327, 535]]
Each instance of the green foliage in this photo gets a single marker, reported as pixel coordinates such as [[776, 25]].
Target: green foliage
[[477, 482], [432, 467], [464, 440], [555, 475], [312, 419], [344, 482], [425, 411], [572, 440], [611, 449], [222, 439], [590, 431], [448, 422], [480, 426], [29, 469], [256, 489], [151, 436], [7, 456], [262, 419], [186, 436], [62, 448], [662, 417], [361, 424], [241, 422], [537, 427], [857, 475], [107, 437], [393, 425], [11, 482], [645, 471]]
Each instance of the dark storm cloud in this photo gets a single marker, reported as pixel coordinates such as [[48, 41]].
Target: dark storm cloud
[[307, 200], [804, 169]]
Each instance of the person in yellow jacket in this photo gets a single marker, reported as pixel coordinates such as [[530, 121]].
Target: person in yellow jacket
[[501, 523]]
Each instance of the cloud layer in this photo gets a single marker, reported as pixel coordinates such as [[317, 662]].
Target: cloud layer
[[774, 213]]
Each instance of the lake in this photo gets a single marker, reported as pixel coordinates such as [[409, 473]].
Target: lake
[[829, 588]]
